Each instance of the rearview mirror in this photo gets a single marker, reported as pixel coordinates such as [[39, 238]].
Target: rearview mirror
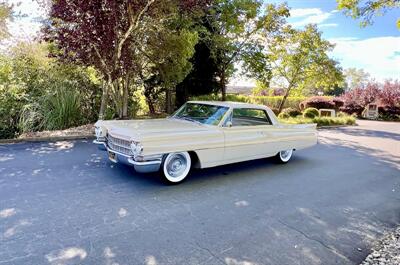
[[228, 124]]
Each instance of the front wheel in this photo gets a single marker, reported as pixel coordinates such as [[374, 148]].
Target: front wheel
[[284, 156], [176, 167]]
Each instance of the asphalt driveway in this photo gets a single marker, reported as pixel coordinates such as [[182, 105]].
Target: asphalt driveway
[[64, 203]]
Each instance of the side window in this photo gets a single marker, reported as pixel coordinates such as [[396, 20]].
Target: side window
[[250, 117]]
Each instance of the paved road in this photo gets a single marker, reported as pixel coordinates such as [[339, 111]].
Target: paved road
[[64, 203]]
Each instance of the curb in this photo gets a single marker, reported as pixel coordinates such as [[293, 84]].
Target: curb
[[46, 139]]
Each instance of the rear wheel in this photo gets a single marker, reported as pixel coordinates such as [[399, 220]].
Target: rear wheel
[[284, 156], [176, 167]]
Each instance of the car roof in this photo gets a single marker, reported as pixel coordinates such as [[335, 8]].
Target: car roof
[[229, 104]]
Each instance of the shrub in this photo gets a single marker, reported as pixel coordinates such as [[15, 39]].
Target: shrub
[[389, 113], [292, 112], [322, 121], [283, 115], [274, 101], [352, 109], [310, 113], [318, 102], [338, 102], [61, 110]]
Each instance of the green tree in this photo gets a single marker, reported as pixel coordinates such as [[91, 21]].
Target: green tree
[[166, 63], [367, 10], [299, 60], [110, 36], [5, 14], [236, 26], [355, 78]]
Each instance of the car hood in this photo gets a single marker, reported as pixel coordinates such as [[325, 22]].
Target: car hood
[[138, 129]]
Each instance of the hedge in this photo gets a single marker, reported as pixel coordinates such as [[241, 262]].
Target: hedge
[[270, 101]]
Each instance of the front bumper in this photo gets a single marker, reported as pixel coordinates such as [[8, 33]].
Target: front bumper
[[147, 164]]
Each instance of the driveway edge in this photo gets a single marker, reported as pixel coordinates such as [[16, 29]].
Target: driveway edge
[[46, 139]]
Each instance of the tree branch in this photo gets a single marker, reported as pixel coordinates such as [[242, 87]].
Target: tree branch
[[134, 24]]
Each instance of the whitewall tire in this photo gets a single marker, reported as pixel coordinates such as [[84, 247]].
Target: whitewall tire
[[176, 166], [284, 156]]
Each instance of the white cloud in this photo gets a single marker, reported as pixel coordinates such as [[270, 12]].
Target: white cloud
[[304, 16], [379, 56], [328, 25], [302, 12]]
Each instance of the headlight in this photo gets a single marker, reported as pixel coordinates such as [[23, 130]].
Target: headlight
[[136, 148]]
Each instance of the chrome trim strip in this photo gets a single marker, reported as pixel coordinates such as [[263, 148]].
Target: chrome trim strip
[[144, 163]]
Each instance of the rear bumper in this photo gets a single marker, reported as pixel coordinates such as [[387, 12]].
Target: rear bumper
[[144, 166]]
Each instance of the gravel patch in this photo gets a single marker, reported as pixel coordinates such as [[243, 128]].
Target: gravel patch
[[386, 251]]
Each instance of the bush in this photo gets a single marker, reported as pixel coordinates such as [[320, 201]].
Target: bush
[[322, 121], [338, 102], [274, 101], [318, 103], [292, 112], [352, 109], [62, 110], [310, 113], [284, 115], [389, 113]]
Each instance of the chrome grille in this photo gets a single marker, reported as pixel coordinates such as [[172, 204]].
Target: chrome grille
[[119, 145]]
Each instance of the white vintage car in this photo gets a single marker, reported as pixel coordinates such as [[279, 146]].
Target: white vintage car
[[202, 134]]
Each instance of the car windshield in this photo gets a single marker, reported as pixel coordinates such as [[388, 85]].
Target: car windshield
[[202, 113]]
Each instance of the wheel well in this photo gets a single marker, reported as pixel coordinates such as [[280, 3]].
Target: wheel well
[[195, 159]]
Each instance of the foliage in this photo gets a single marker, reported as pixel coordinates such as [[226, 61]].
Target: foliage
[[120, 40], [275, 101], [271, 101], [283, 115], [202, 79], [389, 113], [355, 78], [5, 14], [321, 121], [386, 95], [390, 93], [300, 60], [367, 10], [317, 102], [234, 36], [310, 113], [291, 112], [28, 78]]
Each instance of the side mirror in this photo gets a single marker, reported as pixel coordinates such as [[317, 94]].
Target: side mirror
[[228, 124]]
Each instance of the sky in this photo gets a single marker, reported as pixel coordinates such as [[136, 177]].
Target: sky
[[375, 48]]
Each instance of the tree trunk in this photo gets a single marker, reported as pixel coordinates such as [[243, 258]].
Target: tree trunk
[[223, 86], [168, 101], [125, 99], [104, 97], [149, 100], [284, 100]]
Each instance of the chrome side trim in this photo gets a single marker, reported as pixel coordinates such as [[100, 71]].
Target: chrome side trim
[[144, 163]]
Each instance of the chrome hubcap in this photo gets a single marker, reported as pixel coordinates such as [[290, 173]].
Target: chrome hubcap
[[285, 154], [176, 165]]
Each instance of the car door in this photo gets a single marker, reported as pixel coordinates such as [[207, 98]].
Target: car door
[[247, 135]]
